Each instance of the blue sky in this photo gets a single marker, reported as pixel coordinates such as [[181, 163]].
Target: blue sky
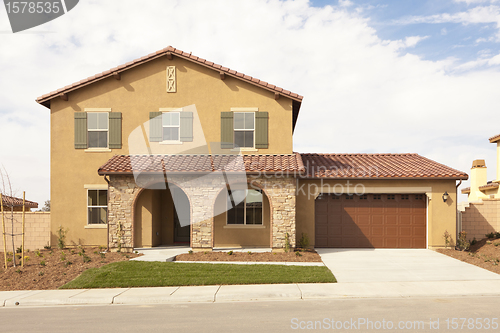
[[376, 76]]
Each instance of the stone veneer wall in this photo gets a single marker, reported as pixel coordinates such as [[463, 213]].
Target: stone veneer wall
[[481, 218], [202, 191], [37, 230]]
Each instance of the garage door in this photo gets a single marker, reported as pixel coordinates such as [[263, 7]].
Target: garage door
[[371, 221]]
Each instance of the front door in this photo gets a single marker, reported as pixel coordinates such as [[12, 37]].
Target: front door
[[181, 233]]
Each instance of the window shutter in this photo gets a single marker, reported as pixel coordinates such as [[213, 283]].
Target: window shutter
[[186, 124], [115, 130], [80, 130], [226, 130], [155, 127], [261, 130]]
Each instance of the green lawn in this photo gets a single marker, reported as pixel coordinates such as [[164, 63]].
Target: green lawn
[[159, 274]]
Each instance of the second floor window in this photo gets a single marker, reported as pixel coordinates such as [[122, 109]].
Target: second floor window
[[170, 124], [97, 126], [244, 129]]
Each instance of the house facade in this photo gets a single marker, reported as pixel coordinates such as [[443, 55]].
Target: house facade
[[174, 149]]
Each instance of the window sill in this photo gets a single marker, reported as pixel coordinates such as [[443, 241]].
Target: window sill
[[171, 142], [244, 226], [96, 226], [97, 150], [244, 150]]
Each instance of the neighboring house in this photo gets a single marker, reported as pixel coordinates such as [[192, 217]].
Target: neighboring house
[[16, 204], [481, 214], [172, 148]]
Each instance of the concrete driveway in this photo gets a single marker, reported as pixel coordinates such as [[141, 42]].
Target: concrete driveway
[[399, 265]]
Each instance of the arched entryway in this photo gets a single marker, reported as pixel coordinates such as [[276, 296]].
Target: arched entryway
[[162, 217], [242, 218]]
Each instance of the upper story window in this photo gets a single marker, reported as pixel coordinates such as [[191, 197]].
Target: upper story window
[[97, 127], [244, 129], [171, 126]]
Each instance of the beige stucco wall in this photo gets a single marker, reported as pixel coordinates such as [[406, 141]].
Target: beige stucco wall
[[441, 216], [142, 90], [238, 236], [481, 218], [37, 230]]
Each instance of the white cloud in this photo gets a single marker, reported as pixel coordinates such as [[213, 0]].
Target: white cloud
[[362, 94]]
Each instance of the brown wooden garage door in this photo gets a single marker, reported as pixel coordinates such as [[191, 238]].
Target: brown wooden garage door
[[371, 221]]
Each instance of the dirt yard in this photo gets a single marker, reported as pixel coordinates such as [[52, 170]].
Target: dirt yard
[[50, 269], [485, 254], [306, 256]]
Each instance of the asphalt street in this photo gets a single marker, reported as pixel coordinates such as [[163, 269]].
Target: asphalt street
[[455, 314]]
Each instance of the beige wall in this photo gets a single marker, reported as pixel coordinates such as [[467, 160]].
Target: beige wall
[[142, 90], [238, 236], [441, 216], [37, 230], [481, 218]]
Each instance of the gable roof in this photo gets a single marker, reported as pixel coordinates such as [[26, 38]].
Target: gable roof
[[367, 166], [168, 51], [128, 164], [9, 201]]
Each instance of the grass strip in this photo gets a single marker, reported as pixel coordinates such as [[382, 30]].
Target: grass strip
[[160, 274]]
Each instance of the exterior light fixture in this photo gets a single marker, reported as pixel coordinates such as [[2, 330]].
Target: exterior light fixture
[[445, 196]]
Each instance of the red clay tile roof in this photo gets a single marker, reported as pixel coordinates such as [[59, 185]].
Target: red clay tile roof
[[9, 201], [376, 166], [44, 99], [488, 186], [127, 164], [466, 190], [494, 138]]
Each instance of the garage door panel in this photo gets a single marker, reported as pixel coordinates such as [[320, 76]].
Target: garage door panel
[[371, 221]]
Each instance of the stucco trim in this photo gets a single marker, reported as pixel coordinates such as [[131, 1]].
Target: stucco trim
[[97, 109], [244, 226], [96, 186], [250, 109]]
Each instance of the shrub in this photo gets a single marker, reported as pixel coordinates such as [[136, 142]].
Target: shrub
[[297, 253], [40, 273], [47, 247], [447, 239], [230, 253], [38, 254], [249, 252], [304, 241], [474, 241], [19, 249], [67, 263], [61, 237], [42, 263], [190, 251], [462, 242], [287, 242], [86, 258]]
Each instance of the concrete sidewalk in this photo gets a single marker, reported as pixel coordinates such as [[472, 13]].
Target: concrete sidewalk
[[245, 293]]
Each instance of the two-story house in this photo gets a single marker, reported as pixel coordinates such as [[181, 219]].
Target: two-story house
[[172, 148]]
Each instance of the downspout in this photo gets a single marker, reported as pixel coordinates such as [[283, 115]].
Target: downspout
[[107, 212], [458, 227]]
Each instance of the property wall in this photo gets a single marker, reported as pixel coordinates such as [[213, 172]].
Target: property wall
[[441, 216], [37, 230], [142, 90], [481, 218]]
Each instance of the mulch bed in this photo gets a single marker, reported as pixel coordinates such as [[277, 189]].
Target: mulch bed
[[53, 268], [304, 256], [485, 254]]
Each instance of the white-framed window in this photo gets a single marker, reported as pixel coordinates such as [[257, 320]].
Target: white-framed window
[[170, 126], [244, 129], [97, 129], [97, 206], [244, 207]]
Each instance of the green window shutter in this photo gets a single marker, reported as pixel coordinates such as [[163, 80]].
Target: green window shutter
[[155, 127], [261, 130], [186, 125], [80, 130], [115, 130], [226, 130]]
